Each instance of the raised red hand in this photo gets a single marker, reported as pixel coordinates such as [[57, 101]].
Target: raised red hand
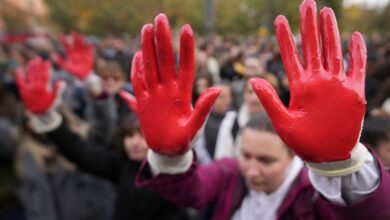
[[79, 56], [35, 88], [163, 95], [327, 106]]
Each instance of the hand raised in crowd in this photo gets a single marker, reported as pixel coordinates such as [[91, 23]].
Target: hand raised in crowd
[[79, 56], [326, 111], [37, 93], [163, 94]]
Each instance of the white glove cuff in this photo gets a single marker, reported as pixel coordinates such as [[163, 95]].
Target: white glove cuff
[[343, 167], [45, 122], [166, 165], [93, 84]]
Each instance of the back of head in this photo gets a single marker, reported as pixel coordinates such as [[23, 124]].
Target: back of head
[[260, 122]]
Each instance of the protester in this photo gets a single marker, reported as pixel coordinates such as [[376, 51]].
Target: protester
[[118, 167], [321, 126]]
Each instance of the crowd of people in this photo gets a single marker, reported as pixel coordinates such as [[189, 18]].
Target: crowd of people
[[75, 145]]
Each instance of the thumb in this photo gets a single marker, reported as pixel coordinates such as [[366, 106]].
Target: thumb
[[270, 101], [58, 59], [19, 78], [202, 109], [130, 100]]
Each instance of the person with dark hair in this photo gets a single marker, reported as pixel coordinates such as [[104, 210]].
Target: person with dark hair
[[118, 167], [205, 145], [202, 82], [340, 179], [376, 133]]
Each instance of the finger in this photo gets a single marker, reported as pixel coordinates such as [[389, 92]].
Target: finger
[[202, 109], [39, 71], [186, 74], [270, 101], [149, 57], [130, 100], [358, 61], [310, 36], [65, 42], [59, 60], [333, 58], [45, 71], [78, 40], [164, 48], [137, 76], [288, 51], [33, 71]]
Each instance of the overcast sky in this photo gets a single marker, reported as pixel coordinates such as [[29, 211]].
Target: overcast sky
[[368, 3]]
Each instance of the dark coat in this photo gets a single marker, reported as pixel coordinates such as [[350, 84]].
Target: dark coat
[[132, 202]]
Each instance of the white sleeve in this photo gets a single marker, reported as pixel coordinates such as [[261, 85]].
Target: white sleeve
[[224, 146], [202, 154], [161, 164], [351, 188]]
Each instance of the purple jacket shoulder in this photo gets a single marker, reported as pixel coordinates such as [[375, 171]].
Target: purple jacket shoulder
[[221, 184], [217, 183]]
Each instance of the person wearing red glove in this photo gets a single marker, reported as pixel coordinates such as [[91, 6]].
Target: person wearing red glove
[[321, 126], [97, 158], [79, 61], [39, 156], [38, 97]]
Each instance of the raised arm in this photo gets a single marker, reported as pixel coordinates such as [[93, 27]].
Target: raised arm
[[168, 121], [323, 121], [40, 99]]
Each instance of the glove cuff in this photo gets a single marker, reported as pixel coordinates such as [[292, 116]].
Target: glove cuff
[[161, 164], [43, 123], [93, 84], [343, 167]]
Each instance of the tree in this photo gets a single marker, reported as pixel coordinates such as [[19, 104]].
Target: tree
[[232, 17]]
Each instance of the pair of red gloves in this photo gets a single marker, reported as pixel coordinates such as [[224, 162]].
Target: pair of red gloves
[[35, 87], [325, 115], [326, 111]]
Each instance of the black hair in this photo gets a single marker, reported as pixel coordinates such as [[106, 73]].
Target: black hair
[[376, 129], [128, 126]]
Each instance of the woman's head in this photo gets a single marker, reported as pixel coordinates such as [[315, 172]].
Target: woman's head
[[130, 138], [225, 99], [251, 100], [263, 157], [112, 76]]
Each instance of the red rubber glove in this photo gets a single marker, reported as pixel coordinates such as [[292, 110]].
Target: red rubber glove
[[163, 98], [327, 106], [79, 56], [35, 87]]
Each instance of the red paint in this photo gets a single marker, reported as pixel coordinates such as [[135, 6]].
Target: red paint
[[163, 95], [79, 56], [327, 106], [33, 87]]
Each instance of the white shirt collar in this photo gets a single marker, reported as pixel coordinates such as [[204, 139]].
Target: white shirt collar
[[259, 205]]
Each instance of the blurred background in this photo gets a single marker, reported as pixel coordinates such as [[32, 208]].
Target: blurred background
[[227, 17]]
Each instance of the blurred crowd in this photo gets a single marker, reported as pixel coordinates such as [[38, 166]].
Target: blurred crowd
[[40, 179]]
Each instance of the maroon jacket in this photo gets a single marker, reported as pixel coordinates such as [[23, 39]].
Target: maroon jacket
[[221, 184]]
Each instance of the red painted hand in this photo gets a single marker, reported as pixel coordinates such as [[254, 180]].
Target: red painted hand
[[79, 56], [35, 88], [163, 98], [326, 111]]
